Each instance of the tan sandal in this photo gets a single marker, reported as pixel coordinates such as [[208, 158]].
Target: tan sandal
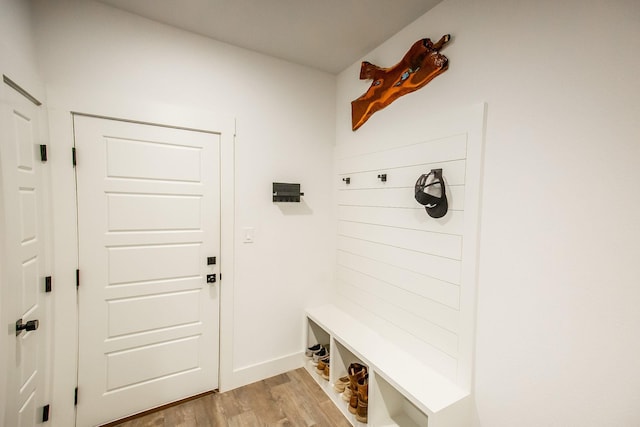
[[346, 394], [341, 384]]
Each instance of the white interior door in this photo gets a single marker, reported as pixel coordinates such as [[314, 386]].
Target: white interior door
[[148, 220], [23, 263]]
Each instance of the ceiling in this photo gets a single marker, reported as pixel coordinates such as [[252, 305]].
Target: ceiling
[[328, 35]]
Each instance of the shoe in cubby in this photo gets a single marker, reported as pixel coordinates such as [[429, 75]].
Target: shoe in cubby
[[363, 399], [309, 352]]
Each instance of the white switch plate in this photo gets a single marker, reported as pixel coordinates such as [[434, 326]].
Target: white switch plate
[[248, 234]]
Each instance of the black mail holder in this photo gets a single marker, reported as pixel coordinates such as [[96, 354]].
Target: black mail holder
[[283, 192]]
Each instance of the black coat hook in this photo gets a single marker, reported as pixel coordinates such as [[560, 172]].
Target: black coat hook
[[383, 177], [347, 180]]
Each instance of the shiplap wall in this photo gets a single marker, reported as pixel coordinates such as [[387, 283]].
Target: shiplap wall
[[410, 276]]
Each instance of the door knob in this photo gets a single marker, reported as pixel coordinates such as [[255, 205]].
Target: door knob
[[31, 325]]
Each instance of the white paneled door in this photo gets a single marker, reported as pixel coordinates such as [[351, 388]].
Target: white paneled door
[[149, 228], [25, 316]]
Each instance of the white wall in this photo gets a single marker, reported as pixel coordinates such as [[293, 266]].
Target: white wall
[[285, 132], [557, 338], [17, 47], [557, 341]]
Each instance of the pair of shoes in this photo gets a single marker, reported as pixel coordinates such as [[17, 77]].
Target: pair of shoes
[[341, 384], [353, 373], [320, 354], [323, 367], [311, 350], [317, 352], [322, 363], [356, 372], [363, 399]]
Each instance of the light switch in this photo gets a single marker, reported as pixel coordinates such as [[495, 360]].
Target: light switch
[[248, 234]]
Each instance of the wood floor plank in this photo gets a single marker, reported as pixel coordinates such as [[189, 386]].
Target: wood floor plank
[[335, 417], [302, 377], [292, 399], [277, 380], [221, 408], [283, 395], [258, 398], [307, 398], [228, 404], [245, 419], [201, 413]]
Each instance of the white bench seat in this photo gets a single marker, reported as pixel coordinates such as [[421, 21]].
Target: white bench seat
[[441, 400]]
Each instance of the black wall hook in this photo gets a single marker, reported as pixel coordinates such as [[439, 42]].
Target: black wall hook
[[383, 177], [347, 180]]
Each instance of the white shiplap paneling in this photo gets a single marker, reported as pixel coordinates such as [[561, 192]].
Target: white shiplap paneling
[[441, 339], [410, 276], [445, 269], [416, 283], [438, 314], [437, 150], [396, 197], [440, 244], [411, 218]]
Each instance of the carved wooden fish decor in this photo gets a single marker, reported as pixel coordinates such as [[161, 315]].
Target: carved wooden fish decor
[[421, 64]]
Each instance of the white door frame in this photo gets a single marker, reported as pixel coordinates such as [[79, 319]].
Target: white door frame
[[65, 338]]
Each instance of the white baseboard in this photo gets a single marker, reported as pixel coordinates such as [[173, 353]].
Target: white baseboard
[[260, 371]]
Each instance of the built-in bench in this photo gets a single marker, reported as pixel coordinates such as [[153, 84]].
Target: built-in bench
[[403, 391]]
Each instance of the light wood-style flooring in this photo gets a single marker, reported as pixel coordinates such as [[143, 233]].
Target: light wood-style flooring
[[291, 399]]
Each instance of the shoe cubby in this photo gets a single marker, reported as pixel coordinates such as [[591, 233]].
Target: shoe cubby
[[317, 335], [341, 358], [402, 390], [392, 408]]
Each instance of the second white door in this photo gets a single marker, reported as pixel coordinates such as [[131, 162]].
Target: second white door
[[149, 229], [24, 295]]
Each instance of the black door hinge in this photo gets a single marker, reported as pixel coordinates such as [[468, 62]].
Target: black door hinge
[[75, 397], [43, 153], [45, 413], [77, 278], [47, 284], [73, 156]]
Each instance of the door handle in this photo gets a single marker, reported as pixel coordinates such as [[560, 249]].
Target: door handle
[[31, 325]]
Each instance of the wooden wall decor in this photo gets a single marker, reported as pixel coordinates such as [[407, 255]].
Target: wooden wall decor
[[421, 64]]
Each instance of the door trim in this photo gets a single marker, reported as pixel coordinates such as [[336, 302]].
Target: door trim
[[62, 106], [138, 122], [20, 90]]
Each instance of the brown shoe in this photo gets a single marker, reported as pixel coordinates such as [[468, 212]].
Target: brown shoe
[[325, 373], [353, 403], [356, 373], [322, 363], [363, 399]]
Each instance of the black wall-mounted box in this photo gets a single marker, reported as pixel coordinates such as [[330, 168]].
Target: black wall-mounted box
[[283, 192]]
